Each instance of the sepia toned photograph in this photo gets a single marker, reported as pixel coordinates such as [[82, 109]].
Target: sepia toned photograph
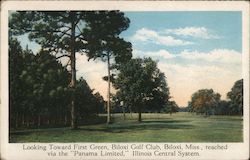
[[121, 83]]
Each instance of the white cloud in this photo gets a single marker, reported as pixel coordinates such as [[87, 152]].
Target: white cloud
[[198, 32], [216, 56], [146, 35], [92, 72], [219, 56], [167, 38], [156, 55]]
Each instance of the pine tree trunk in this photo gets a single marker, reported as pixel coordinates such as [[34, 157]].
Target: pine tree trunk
[[130, 111], [139, 114], [124, 115], [48, 121], [108, 101], [23, 120], [39, 121], [73, 71], [65, 119], [16, 120]]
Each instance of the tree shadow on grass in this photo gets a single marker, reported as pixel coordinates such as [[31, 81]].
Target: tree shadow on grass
[[21, 133], [120, 127], [44, 130], [145, 125], [168, 121]]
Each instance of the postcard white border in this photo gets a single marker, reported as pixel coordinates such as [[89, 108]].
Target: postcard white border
[[13, 150]]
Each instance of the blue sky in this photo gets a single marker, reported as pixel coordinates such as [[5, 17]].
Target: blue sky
[[227, 25], [195, 50]]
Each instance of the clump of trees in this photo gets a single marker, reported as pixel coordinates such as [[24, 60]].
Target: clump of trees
[[171, 107], [39, 92], [207, 102], [236, 98], [141, 86], [88, 103], [204, 101]]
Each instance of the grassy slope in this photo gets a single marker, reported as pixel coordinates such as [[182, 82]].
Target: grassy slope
[[180, 127]]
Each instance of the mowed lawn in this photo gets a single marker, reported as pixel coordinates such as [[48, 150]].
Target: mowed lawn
[[179, 127]]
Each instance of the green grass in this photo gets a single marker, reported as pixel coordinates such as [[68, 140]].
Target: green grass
[[180, 127]]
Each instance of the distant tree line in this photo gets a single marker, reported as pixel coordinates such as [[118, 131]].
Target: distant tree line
[[207, 102]]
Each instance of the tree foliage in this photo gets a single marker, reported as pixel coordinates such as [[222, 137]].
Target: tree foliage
[[87, 101], [236, 98], [223, 108], [38, 85], [52, 30], [140, 83], [208, 102], [205, 101], [95, 31], [171, 107], [39, 93], [102, 34]]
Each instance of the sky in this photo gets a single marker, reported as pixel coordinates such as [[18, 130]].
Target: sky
[[195, 50]]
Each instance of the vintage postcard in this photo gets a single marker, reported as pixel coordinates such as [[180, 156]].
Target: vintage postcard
[[124, 80]]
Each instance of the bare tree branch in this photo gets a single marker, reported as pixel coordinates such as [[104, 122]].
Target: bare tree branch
[[47, 31], [65, 55]]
